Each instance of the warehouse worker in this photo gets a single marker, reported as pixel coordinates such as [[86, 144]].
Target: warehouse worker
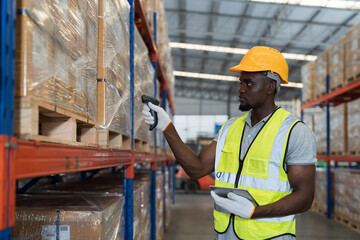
[[267, 151]]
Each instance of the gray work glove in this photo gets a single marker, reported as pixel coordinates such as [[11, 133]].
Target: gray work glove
[[235, 204], [163, 118]]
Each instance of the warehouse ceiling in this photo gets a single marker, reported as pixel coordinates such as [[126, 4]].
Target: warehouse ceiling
[[290, 28]]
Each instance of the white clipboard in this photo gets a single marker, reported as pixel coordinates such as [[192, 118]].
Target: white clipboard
[[223, 191]]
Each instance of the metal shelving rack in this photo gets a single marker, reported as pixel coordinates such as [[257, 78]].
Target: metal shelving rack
[[30, 159], [342, 95]]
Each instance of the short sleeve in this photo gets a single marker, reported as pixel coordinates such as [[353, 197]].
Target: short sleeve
[[301, 146]]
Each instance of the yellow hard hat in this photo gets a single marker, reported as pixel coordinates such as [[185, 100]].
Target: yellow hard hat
[[260, 58]]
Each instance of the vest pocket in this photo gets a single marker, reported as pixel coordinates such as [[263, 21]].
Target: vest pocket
[[256, 167], [227, 163]]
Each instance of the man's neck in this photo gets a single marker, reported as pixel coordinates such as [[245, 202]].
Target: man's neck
[[259, 114]]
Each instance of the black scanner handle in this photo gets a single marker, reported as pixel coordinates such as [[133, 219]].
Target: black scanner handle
[[146, 99]]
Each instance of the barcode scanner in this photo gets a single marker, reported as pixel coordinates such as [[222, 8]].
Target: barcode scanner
[[146, 99]]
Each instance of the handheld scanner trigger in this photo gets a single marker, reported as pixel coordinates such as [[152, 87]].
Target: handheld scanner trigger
[[146, 99]]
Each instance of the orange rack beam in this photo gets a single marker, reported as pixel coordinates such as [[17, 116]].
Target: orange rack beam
[[341, 95], [35, 159]]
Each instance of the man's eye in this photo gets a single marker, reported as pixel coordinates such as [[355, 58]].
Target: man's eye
[[249, 84]]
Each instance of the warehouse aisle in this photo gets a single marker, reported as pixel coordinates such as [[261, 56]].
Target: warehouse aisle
[[192, 220]]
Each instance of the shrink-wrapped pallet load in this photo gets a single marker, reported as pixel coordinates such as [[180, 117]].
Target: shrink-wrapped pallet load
[[320, 130], [67, 217], [347, 195], [159, 205], [144, 75], [56, 71], [352, 54], [307, 78], [338, 130], [353, 129], [321, 70], [114, 74], [337, 65]]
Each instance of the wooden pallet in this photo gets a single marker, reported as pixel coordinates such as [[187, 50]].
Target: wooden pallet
[[354, 153], [336, 87], [43, 121], [351, 224], [111, 139], [142, 146], [353, 78], [339, 153], [320, 95], [319, 211]]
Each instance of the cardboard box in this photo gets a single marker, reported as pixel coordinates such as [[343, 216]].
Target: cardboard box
[[70, 217], [352, 53], [321, 70], [354, 127], [34, 68], [338, 130], [337, 65], [307, 78]]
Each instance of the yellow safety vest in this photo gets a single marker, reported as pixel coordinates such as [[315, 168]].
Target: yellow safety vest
[[261, 172]]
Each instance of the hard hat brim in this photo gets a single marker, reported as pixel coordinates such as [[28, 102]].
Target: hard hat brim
[[238, 68]]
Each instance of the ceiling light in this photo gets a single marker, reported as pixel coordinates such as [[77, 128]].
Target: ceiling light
[[240, 51], [223, 78]]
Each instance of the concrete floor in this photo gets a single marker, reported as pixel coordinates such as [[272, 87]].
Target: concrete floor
[[192, 219]]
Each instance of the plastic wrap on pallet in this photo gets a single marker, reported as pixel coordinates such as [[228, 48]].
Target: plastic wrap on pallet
[[143, 84], [163, 43], [307, 78], [168, 202], [352, 53], [354, 127], [337, 65], [347, 195], [320, 73], [67, 217], [56, 54], [137, 194], [114, 66], [159, 206], [142, 177], [320, 130], [338, 130]]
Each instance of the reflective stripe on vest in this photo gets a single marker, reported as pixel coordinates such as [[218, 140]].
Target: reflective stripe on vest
[[262, 173]]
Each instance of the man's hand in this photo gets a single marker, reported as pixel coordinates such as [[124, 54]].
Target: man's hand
[[163, 118], [235, 204]]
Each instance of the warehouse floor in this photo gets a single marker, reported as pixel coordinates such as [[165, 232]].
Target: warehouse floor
[[191, 219]]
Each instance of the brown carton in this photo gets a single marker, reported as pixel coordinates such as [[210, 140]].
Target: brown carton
[[71, 217]]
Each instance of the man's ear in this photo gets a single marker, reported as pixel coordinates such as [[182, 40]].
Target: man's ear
[[271, 87]]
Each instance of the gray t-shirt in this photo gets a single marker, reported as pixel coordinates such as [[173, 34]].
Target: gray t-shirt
[[301, 151]]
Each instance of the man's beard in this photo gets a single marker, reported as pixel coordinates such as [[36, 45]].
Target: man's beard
[[245, 108]]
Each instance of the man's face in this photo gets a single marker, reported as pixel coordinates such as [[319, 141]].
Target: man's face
[[253, 90]]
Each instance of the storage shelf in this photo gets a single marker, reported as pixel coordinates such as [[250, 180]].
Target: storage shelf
[[340, 158], [142, 23], [342, 95], [34, 159]]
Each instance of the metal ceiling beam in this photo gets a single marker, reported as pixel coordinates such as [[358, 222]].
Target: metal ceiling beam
[[285, 4], [301, 30], [210, 28], [233, 35], [234, 41], [265, 19], [182, 26]]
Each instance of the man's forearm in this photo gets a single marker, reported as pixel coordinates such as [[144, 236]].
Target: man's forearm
[[187, 158], [293, 203]]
